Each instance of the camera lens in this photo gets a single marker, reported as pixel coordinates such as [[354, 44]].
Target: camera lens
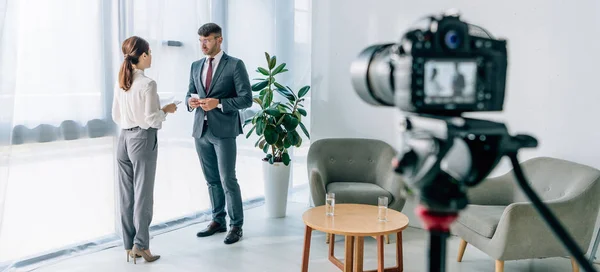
[[372, 75], [452, 39]]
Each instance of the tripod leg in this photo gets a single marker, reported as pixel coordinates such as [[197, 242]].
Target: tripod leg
[[461, 250], [574, 265]]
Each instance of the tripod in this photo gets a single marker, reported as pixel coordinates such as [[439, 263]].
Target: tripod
[[448, 154]]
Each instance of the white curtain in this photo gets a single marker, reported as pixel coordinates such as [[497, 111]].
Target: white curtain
[[58, 65], [56, 168]]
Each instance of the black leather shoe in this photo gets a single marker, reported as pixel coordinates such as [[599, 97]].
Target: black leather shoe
[[211, 229], [234, 235]]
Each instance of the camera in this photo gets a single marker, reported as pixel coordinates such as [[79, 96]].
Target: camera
[[434, 74], [446, 67]]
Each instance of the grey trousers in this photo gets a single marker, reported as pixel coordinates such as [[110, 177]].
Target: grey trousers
[[136, 156], [217, 158]]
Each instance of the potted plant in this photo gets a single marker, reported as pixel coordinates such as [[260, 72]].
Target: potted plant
[[276, 124]]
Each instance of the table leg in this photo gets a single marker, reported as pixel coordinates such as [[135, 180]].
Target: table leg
[[399, 253], [380, 259], [331, 244], [306, 253], [348, 260], [359, 253]]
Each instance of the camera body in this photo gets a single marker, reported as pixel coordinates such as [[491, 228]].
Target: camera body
[[445, 68]]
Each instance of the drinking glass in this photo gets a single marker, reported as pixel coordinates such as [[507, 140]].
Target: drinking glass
[[329, 204], [383, 208]]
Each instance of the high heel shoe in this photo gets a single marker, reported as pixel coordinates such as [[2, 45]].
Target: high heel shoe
[[148, 257], [130, 254]]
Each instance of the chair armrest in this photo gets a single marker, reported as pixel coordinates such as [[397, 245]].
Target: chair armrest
[[493, 191], [317, 180], [389, 180], [523, 233], [394, 184]]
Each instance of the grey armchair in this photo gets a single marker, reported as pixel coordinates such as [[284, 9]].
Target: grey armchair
[[356, 170], [501, 222]]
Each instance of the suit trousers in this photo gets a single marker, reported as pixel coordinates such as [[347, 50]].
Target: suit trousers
[[217, 158], [136, 156]]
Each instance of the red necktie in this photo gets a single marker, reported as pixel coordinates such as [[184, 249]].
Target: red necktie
[[209, 74]]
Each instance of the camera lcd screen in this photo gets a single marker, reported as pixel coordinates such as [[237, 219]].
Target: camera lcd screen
[[450, 81]]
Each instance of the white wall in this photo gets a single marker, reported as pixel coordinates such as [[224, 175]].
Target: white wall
[[552, 89]]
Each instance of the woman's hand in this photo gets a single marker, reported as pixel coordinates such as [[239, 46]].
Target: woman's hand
[[169, 108]]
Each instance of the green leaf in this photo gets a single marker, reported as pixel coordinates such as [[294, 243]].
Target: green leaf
[[262, 143], [259, 86], [286, 158], [299, 142], [263, 71], [258, 78], [287, 143], [257, 101], [272, 62], [286, 94], [290, 122], [302, 111], [250, 132], [286, 106], [304, 130], [275, 112], [279, 143], [248, 121], [278, 85], [263, 92], [271, 161], [266, 148], [260, 126], [279, 69], [298, 115], [303, 91], [258, 141], [280, 130], [267, 57], [284, 70], [294, 137], [271, 135], [268, 100]]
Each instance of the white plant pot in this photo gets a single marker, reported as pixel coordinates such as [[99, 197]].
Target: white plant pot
[[277, 180]]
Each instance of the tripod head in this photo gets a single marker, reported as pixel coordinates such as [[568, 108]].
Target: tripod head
[[443, 156]]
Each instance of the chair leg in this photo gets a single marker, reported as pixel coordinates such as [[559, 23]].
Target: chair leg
[[499, 266], [574, 265], [327, 237], [387, 239], [461, 250]]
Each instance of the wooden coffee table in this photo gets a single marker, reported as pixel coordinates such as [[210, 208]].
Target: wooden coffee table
[[354, 221]]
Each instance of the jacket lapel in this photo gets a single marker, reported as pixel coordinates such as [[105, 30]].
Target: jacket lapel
[[220, 67], [199, 73]]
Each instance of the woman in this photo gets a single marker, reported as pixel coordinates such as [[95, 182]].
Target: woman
[[137, 110]]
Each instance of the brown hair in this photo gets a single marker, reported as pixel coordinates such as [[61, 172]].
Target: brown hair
[[133, 47]]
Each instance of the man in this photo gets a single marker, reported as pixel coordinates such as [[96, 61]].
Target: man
[[458, 81], [222, 87]]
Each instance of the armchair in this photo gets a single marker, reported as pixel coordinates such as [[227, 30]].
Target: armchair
[[356, 170], [501, 222]]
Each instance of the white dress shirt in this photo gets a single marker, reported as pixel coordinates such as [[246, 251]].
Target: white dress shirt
[[139, 106], [215, 63]]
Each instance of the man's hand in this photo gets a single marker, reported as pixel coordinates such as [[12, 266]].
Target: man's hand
[[208, 104], [194, 102]]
